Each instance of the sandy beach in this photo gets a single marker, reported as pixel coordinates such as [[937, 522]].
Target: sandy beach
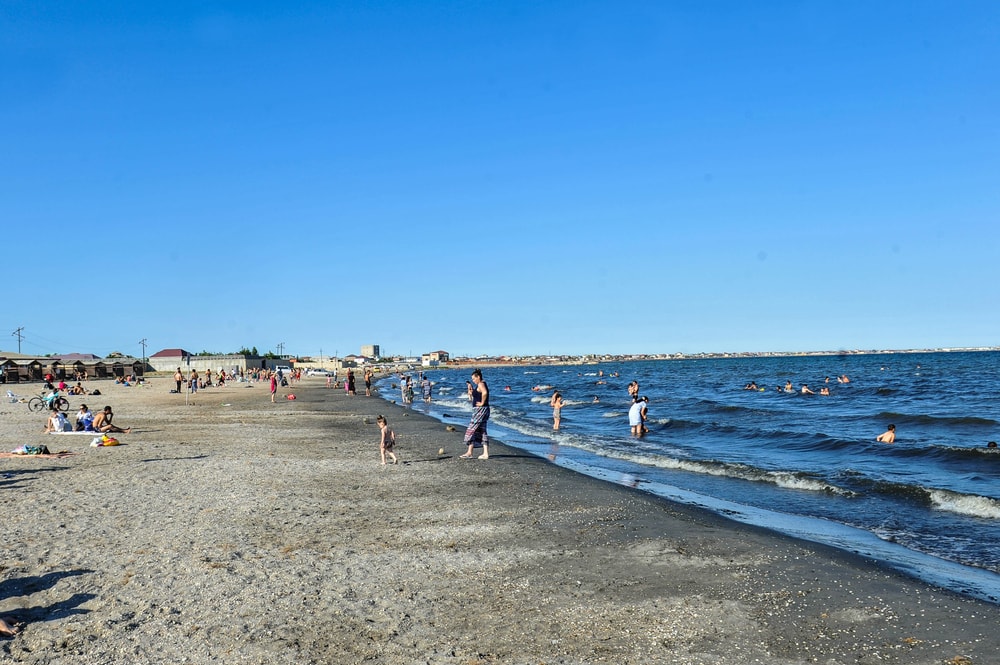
[[228, 529]]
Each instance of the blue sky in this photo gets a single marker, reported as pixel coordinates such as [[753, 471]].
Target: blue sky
[[488, 178]]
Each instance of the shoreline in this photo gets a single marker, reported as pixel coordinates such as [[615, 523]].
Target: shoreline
[[236, 529]]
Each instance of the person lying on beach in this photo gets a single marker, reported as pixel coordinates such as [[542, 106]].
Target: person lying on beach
[[36, 451], [102, 422], [888, 436], [9, 627]]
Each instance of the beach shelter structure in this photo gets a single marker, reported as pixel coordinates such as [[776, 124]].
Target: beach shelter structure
[[121, 367], [96, 369], [20, 370], [57, 369]]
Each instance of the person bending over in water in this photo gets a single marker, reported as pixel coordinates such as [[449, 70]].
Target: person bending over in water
[[888, 436]]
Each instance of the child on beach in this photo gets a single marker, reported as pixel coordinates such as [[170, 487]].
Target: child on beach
[[387, 441], [557, 404]]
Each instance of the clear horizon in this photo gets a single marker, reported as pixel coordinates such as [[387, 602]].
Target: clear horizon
[[500, 179], [776, 352]]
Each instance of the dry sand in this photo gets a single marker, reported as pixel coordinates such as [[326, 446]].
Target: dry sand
[[233, 530]]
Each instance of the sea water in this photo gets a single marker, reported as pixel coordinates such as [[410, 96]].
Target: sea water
[[805, 465]]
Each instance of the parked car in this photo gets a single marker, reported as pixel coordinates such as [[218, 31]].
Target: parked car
[[316, 371], [284, 369]]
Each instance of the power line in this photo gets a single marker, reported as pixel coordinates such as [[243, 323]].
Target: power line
[[17, 333]]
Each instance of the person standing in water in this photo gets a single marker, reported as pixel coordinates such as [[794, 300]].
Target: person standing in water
[[557, 404]]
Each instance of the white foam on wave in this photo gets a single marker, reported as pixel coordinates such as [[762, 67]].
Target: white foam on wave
[[739, 471], [525, 427], [455, 404], [614, 414], [965, 504]]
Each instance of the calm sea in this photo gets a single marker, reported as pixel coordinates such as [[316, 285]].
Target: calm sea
[[805, 465]]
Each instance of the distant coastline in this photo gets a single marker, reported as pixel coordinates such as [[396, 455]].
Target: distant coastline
[[593, 359]]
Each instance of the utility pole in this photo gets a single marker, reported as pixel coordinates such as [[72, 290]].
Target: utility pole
[[17, 333], [142, 343], [281, 347]]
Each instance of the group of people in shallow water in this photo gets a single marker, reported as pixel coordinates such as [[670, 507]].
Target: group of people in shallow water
[[805, 389], [637, 414], [888, 436]]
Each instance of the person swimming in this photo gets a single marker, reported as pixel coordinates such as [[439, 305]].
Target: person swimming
[[888, 436]]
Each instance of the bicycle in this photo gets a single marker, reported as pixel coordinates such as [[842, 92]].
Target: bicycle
[[43, 401]]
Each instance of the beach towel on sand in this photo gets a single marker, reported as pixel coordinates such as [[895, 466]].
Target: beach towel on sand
[[31, 450]]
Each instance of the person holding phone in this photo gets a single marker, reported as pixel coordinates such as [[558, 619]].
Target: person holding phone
[[475, 433]]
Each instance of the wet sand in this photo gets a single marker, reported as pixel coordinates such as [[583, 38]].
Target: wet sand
[[229, 529]]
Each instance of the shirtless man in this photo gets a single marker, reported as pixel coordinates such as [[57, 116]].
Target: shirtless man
[[102, 423], [888, 436]]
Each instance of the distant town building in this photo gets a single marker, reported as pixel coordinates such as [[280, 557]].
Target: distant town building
[[168, 360], [357, 361], [434, 358], [371, 351]]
